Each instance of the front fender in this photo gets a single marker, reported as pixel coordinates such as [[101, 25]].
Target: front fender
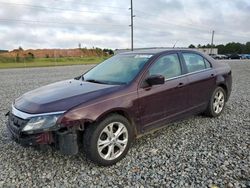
[[97, 110]]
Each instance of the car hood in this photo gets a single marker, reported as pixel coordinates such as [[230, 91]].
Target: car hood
[[61, 96]]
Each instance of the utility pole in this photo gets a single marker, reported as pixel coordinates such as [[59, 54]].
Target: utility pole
[[212, 42], [132, 25]]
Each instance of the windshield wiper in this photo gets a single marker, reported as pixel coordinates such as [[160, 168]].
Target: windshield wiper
[[95, 81], [105, 82]]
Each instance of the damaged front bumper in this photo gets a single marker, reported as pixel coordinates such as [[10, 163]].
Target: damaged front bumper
[[64, 139]]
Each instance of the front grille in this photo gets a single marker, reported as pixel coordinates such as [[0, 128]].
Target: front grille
[[16, 125], [17, 122]]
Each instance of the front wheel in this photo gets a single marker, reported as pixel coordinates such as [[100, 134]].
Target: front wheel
[[108, 141], [217, 103]]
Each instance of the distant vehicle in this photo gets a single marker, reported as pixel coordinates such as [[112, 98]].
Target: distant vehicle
[[124, 97], [234, 56], [227, 55], [245, 56], [218, 56], [213, 56], [222, 56]]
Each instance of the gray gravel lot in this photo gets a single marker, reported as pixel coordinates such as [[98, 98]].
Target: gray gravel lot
[[197, 152]]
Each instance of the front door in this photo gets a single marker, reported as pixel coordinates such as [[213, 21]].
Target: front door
[[159, 102]]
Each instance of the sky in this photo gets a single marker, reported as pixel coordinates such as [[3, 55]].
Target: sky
[[40, 24]]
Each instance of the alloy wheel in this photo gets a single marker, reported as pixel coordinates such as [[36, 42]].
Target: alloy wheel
[[219, 102], [112, 141]]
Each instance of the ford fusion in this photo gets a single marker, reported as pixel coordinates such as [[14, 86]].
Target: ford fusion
[[126, 96]]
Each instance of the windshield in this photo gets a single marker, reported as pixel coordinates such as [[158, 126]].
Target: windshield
[[117, 70]]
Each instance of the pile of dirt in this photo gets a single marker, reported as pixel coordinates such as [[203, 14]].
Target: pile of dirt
[[48, 53]]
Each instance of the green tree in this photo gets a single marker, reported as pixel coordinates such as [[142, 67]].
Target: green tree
[[221, 48], [247, 48], [191, 46], [234, 47]]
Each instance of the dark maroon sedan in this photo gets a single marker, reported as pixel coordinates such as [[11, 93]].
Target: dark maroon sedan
[[128, 95]]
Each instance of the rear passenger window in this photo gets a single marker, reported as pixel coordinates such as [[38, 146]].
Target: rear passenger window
[[195, 62]]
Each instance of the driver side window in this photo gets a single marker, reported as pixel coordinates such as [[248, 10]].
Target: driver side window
[[167, 66]]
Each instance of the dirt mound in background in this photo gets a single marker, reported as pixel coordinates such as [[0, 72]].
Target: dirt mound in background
[[47, 53]]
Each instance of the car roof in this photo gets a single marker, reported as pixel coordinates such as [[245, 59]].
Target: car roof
[[158, 51]]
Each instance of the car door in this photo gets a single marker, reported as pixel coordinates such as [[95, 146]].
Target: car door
[[159, 102], [201, 78]]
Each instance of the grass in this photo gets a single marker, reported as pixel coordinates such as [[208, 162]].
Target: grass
[[47, 62]]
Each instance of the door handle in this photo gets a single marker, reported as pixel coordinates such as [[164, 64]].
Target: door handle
[[180, 85], [212, 75]]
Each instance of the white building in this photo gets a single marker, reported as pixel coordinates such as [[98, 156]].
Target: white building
[[204, 50], [208, 50]]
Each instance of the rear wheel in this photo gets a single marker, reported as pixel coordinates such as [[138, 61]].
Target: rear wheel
[[217, 102], [108, 141]]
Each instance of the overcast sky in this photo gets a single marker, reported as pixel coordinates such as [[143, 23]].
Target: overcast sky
[[105, 24]]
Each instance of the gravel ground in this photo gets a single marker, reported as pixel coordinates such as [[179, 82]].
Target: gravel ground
[[197, 152]]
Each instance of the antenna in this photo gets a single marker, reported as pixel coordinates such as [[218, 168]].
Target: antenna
[[175, 43]]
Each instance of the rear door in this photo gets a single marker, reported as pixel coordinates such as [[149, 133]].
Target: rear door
[[201, 78], [157, 103]]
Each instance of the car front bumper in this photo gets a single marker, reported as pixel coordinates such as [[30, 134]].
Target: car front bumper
[[15, 125], [67, 141]]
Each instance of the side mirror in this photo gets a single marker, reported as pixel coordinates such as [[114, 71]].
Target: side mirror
[[155, 80]]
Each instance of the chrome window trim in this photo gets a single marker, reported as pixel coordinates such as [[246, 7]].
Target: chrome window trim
[[24, 115], [190, 73], [203, 70]]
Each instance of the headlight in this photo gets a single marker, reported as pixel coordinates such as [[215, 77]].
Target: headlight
[[41, 123]]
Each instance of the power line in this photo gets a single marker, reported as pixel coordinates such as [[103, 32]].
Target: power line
[[200, 29], [90, 4], [58, 23], [191, 25], [60, 9], [203, 28], [73, 10], [175, 24]]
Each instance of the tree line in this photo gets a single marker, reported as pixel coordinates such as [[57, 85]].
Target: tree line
[[229, 48]]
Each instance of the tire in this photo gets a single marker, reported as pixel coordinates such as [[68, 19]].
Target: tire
[[102, 143], [216, 103]]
